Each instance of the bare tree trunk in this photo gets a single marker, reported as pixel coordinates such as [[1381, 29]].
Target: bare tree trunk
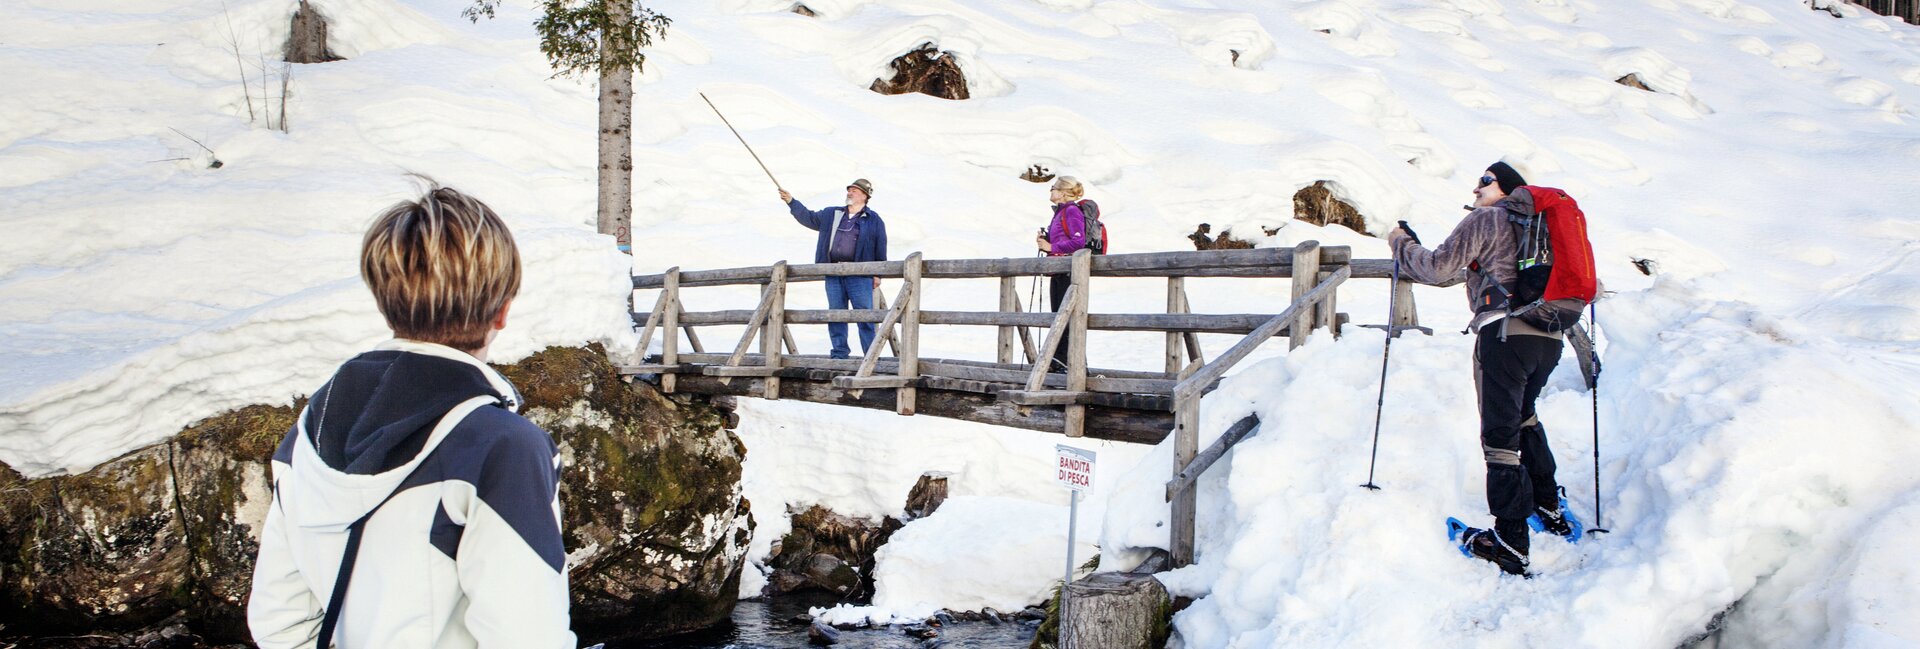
[[616, 137]]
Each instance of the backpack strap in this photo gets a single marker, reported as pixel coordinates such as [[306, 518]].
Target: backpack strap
[[330, 620]]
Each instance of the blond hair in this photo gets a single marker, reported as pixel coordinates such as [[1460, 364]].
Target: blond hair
[[1070, 186], [441, 268]]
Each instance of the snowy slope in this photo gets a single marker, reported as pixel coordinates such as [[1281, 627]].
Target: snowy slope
[[1757, 418]]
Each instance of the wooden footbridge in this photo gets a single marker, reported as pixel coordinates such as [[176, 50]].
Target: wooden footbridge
[[1015, 389]]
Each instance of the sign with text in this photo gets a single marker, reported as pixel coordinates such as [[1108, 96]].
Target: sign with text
[[1074, 468]]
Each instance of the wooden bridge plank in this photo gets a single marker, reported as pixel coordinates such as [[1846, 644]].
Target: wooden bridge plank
[[657, 368], [870, 382], [1043, 397], [931, 382], [1114, 424], [1098, 379], [731, 371]]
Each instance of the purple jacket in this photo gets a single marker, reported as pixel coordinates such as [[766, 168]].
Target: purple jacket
[[1068, 231]]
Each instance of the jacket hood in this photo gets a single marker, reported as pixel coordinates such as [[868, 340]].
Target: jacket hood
[[379, 416]]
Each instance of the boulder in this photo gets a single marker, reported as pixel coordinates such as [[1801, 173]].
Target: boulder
[[1204, 239], [163, 530], [925, 70], [1316, 204], [824, 550], [822, 634], [656, 528]]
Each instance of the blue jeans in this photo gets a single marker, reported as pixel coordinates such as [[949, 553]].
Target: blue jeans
[[849, 292]]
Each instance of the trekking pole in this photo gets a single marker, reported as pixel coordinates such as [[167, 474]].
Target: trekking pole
[[1380, 404], [743, 141], [1593, 352]]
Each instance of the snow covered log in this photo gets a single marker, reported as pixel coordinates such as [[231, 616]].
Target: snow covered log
[[1115, 610]]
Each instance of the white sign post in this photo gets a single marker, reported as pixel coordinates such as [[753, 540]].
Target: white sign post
[[1073, 469]]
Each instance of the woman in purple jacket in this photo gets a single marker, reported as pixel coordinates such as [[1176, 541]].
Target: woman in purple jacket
[[1066, 234]]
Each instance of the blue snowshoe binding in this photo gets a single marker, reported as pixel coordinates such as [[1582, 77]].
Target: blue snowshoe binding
[[1562, 523]]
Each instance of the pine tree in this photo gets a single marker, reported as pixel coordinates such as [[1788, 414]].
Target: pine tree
[[603, 37]]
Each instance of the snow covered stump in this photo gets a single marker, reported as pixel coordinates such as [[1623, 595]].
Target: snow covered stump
[[1115, 610]]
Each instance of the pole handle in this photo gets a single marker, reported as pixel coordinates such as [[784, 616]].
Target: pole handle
[[1409, 229]]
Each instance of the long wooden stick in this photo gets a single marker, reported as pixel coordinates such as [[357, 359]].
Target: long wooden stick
[[743, 142]]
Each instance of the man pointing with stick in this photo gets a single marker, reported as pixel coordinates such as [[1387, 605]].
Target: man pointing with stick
[[847, 234]]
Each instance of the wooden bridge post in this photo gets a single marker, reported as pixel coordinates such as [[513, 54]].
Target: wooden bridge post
[[1076, 420], [1328, 315], [670, 344], [1176, 288], [1404, 315], [909, 349], [1186, 445], [1193, 339], [1306, 275], [773, 333], [1009, 302]]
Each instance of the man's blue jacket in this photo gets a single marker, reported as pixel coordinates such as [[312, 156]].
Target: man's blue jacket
[[873, 232]]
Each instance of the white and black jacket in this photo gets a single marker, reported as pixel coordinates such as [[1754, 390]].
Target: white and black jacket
[[466, 552]]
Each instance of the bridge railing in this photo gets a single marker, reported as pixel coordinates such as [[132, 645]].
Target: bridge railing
[[1022, 359]]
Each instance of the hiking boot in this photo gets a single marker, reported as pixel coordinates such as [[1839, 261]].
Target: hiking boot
[[1486, 544], [1559, 520]]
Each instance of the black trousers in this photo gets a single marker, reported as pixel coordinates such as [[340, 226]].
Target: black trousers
[[1509, 376], [1057, 286]]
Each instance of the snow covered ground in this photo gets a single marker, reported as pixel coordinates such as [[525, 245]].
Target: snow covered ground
[[1757, 418]]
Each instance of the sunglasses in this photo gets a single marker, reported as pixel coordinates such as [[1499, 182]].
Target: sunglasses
[[1486, 180]]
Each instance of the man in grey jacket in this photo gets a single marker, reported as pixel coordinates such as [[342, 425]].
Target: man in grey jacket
[[1512, 361]]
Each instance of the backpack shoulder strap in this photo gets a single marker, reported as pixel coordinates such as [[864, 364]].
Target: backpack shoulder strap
[[330, 619]]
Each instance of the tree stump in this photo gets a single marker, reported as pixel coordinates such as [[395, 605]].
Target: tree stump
[[307, 38], [1115, 610], [927, 494]]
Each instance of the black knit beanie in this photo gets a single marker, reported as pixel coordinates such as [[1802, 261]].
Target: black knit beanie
[[1505, 175]]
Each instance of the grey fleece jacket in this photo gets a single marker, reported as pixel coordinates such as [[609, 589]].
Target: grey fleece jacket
[[1484, 237]]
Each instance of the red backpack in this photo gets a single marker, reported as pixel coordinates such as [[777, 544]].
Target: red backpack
[[1555, 262]]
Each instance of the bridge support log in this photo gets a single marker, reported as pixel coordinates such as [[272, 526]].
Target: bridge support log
[[1306, 275], [670, 328], [1077, 336], [908, 395], [774, 330], [1186, 445], [1009, 302], [1114, 610]]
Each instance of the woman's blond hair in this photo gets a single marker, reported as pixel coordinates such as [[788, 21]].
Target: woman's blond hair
[[441, 268], [1070, 186]]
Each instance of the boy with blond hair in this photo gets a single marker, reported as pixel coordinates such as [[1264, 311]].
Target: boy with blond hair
[[412, 506]]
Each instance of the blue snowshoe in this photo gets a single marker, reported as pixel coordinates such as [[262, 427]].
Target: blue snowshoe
[[1562, 522], [1485, 545]]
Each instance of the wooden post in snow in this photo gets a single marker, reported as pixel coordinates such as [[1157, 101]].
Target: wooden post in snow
[[670, 345]]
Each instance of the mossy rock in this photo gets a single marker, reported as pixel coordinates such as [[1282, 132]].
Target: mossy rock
[[161, 530], [656, 527]]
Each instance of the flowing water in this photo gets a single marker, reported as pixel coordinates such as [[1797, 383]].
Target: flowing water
[[771, 624]]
